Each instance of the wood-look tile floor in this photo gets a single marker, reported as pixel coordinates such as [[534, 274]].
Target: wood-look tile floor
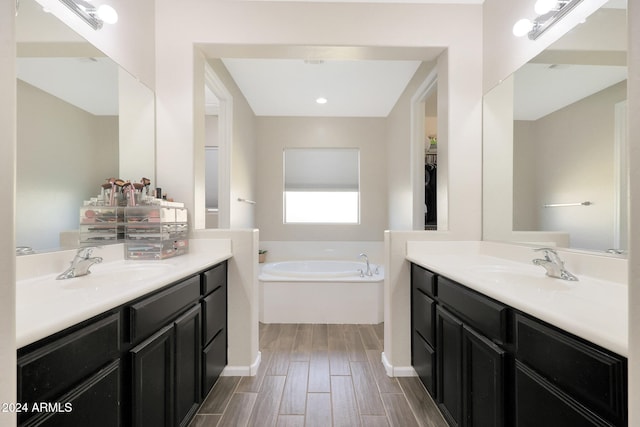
[[319, 375]]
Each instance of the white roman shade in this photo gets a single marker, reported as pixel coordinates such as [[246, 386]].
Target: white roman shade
[[321, 169]]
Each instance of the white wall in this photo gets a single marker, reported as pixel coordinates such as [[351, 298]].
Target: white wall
[[8, 385], [274, 134]]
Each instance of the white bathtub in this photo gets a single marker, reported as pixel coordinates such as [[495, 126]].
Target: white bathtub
[[321, 292]]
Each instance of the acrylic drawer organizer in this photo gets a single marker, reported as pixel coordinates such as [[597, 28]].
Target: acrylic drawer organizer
[[155, 232], [100, 225]]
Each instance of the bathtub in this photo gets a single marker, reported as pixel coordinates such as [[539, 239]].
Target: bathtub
[[323, 291]]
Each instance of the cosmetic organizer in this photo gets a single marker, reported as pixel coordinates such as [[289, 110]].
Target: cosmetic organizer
[[155, 232], [100, 225]]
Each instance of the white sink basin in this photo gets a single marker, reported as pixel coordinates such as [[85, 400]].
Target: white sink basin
[[517, 275], [110, 274]]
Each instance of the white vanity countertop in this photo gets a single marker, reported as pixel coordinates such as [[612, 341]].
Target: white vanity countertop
[[45, 305], [591, 308]]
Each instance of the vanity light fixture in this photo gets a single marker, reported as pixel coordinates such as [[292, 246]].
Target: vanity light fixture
[[549, 12], [321, 100], [92, 15]]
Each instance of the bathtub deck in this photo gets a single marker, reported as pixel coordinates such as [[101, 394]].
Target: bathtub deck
[[319, 375]]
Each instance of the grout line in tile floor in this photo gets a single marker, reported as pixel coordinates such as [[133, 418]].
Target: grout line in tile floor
[[320, 375]]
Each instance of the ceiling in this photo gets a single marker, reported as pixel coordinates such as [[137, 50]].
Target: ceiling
[[588, 59], [290, 87], [89, 83]]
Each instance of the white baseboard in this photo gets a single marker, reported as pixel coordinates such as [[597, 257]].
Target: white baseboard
[[397, 371], [243, 371]]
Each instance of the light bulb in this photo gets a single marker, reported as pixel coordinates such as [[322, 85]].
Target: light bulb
[[321, 100], [545, 6], [522, 27], [107, 14]]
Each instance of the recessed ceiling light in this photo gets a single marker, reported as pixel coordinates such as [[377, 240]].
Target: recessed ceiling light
[[321, 100]]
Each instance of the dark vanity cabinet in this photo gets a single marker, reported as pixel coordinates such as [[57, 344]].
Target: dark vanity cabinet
[[73, 378], [423, 354], [141, 364], [497, 366], [214, 325], [165, 366], [470, 329], [564, 378]]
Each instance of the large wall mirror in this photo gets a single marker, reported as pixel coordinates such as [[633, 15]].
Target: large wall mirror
[[81, 119], [563, 121]]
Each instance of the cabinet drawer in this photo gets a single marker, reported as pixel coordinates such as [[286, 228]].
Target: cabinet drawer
[[214, 278], [214, 309], [48, 371], [591, 375], [538, 403], [424, 363], [95, 402], [150, 314], [423, 279], [423, 315], [214, 359], [482, 313]]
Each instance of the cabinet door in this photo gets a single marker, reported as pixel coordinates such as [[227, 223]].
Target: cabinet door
[[449, 365], [188, 348], [152, 375], [483, 381], [539, 403]]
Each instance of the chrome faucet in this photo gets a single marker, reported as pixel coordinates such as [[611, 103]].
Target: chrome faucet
[[80, 264], [553, 264], [368, 272]]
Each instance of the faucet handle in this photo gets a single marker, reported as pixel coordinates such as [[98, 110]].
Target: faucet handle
[[550, 254], [86, 252], [551, 250]]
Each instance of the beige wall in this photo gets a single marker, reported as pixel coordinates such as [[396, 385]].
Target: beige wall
[[64, 155], [570, 157], [274, 134], [7, 193]]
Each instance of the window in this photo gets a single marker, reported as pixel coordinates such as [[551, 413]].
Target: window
[[322, 185]]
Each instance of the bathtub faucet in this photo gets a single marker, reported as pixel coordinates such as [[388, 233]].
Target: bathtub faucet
[[366, 259]]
